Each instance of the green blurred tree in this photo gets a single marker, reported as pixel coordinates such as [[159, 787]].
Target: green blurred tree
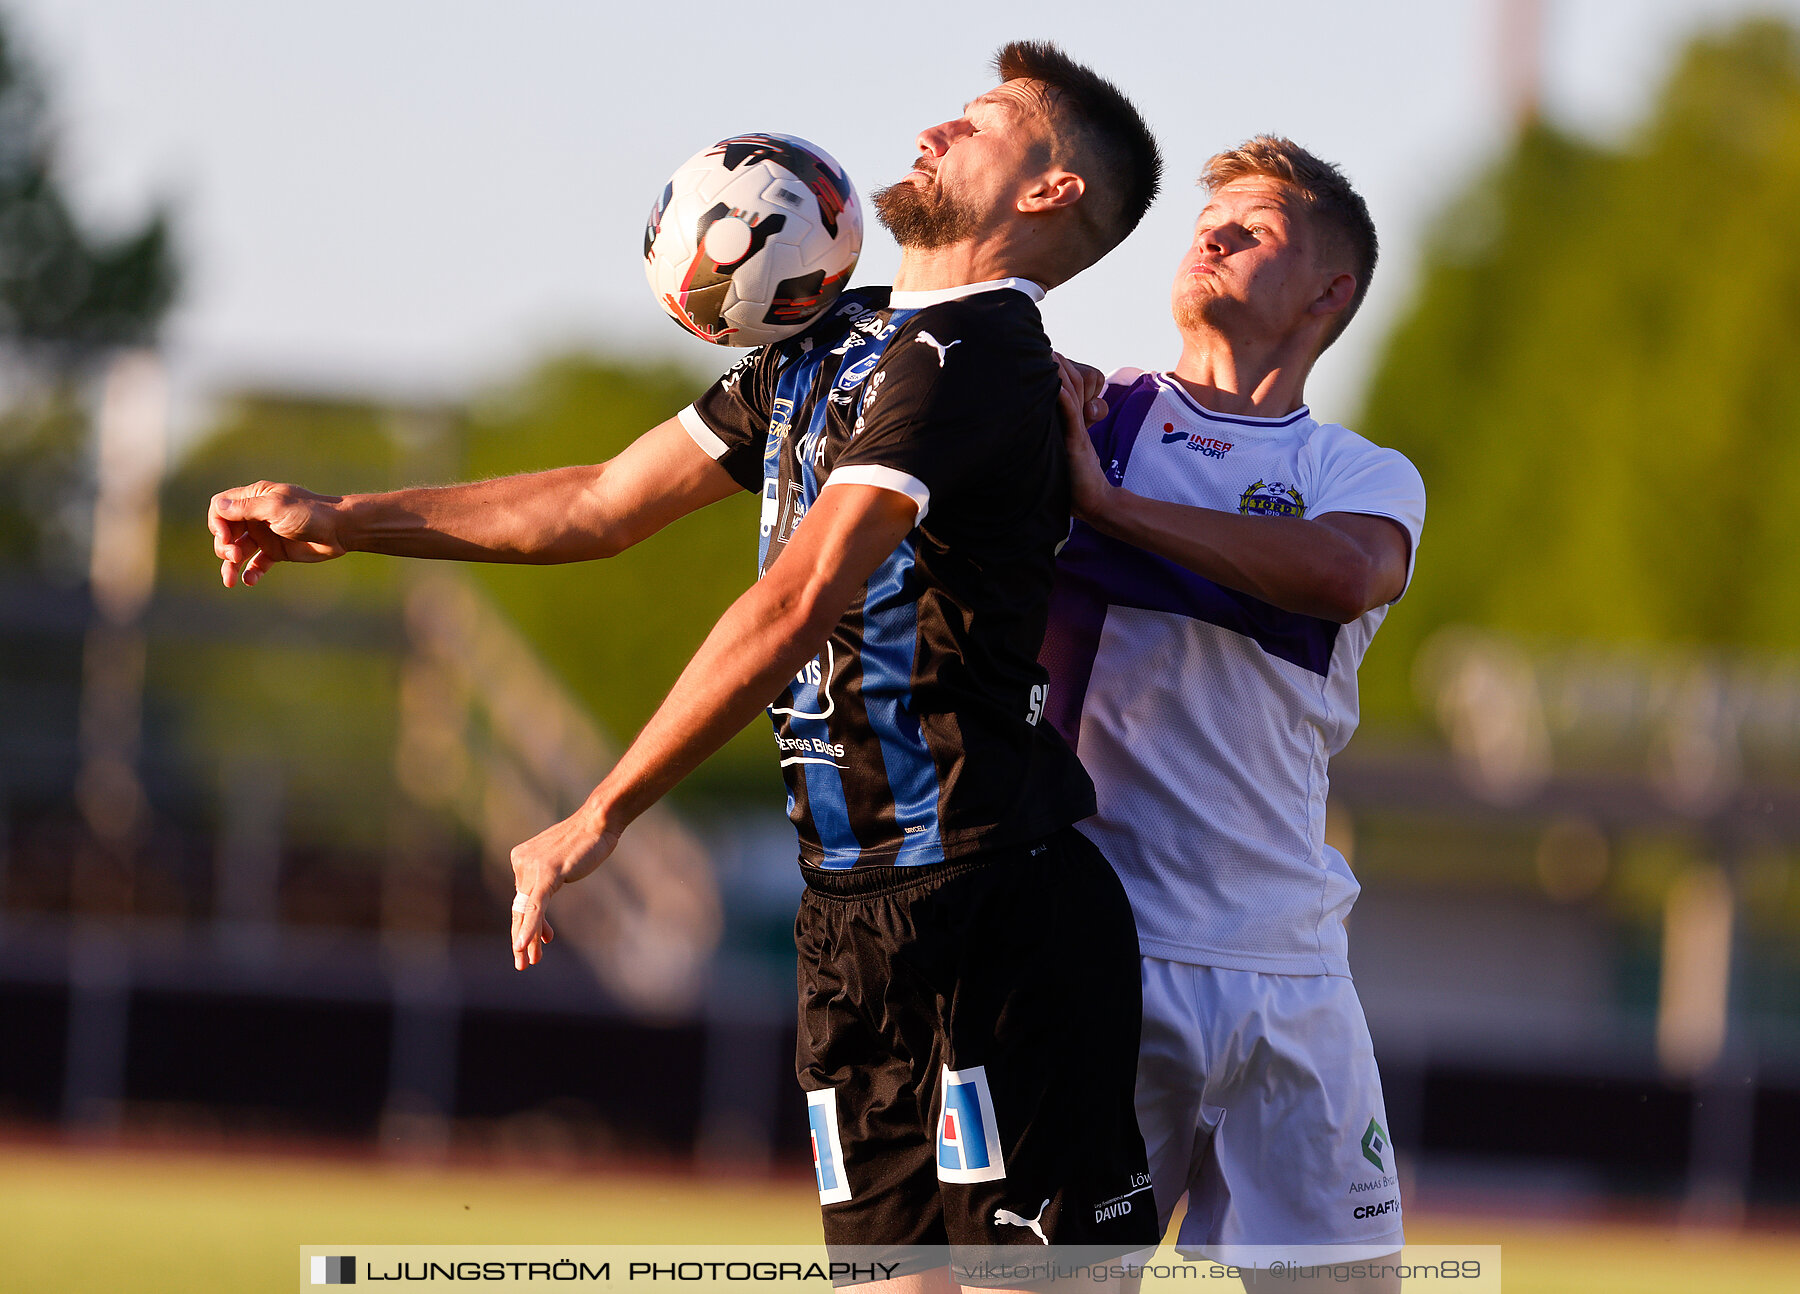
[[67, 296], [1600, 379], [299, 676], [620, 631], [64, 292]]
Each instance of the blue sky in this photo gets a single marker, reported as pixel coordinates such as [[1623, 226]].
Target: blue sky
[[418, 198]]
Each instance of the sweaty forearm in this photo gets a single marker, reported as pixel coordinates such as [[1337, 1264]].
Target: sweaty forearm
[[1297, 565], [537, 517]]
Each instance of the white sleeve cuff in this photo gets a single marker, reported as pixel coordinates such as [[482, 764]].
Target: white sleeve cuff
[[886, 478], [701, 434]]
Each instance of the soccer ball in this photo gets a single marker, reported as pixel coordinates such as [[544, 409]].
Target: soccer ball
[[752, 239]]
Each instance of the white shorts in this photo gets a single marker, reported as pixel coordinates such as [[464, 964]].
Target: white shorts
[[1259, 1100]]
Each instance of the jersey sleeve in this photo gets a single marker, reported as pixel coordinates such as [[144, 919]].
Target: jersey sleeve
[[1362, 477], [1105, 434], [1118, 382], [730, 420], [931, 412]]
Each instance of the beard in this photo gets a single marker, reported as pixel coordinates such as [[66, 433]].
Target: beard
[[923, 219], [1197, 310]]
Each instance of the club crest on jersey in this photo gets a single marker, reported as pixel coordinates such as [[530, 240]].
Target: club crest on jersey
[[968, 1136], [827, 1148], [1208, 445], [1273, 499], [853, 374]]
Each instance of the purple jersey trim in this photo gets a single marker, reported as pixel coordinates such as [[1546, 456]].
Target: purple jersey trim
[[1096, 572], [1175, 389], [1116, 434], [1122, 576], [1078, 613]]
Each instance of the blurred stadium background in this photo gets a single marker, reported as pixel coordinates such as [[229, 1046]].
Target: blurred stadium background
[[254, 989]]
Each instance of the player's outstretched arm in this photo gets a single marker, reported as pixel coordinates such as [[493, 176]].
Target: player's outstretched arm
[[1336, 567], [569, 514], [761, 641]]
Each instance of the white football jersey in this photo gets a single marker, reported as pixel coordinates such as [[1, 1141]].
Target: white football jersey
[[1206, 716]]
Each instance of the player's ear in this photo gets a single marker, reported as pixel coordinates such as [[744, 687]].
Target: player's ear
[[1053, 190], [1336, 296]]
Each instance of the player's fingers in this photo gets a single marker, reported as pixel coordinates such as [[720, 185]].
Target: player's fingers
[[218, 514], [1069, 403], [226, 535], [1093, 381], [1089, 380], [258, 566], [530, 930], [255, 510], [1096, 410], [240, 504], [534, 941], [242, 540], [1085, 380]]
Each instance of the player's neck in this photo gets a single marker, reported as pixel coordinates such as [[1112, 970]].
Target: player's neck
[[929, 269], [1240, 380]]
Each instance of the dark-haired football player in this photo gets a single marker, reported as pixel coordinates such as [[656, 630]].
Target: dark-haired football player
[[968, 964]]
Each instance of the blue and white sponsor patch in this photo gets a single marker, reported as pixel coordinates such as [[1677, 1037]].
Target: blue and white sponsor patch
[[827, 1149], [968, 1136]]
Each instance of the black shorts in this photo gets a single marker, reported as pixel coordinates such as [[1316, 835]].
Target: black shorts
[[968, 1045]]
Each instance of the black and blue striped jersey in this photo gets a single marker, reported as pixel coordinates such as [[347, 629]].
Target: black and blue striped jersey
[[919, 733]]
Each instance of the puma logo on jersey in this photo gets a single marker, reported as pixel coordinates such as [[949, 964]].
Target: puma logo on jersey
[[942, 348], [1006, 1217]]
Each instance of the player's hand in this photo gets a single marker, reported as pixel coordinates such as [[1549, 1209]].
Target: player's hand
[[541, 866], [1086, 383], [1089, 490], [255, 526]]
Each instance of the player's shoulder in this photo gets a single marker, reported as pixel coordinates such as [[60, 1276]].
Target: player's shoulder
[[997, 319], [1122, 381], [1341, 451], [976, 345], [1337, 440]]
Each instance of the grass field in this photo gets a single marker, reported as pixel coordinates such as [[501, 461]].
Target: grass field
[[161, 1223]]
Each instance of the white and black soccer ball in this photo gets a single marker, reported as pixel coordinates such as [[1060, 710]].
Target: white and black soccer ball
[[752, 239]]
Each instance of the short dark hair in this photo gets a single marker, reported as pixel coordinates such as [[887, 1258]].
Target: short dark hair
[[1331, 204], [1092, 119]]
